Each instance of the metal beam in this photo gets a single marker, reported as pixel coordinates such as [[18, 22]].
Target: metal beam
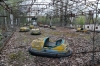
[[3, 16], [25, 16]]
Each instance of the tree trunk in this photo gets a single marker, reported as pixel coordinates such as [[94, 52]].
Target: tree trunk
[[61, 14]]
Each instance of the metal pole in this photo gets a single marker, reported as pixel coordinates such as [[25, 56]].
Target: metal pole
[[94, 33], [66, 4]]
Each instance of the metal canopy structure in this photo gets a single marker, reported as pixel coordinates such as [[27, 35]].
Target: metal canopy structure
[[76, 7], [63, 9]]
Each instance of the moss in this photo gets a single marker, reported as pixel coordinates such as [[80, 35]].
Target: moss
[[13, 56], [18, 57], [72, 35]]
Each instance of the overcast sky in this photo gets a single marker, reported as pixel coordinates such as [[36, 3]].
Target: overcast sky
[[43, 0]]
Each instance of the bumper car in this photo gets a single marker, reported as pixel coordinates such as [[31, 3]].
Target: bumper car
[[35, 32], [53, 27], [24, 29], [43, 47], [31, 26], [41, 25], [46, 26], [81, 30]]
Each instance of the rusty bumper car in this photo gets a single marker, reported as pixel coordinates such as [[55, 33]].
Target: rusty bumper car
[[45, 48], [35, 32], [24, 29]]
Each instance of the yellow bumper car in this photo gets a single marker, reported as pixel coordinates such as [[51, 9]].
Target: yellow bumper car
[[81, 30], [24, 29], [43, 47]]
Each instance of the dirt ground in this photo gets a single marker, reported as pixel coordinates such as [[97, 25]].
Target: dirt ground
[[16, 52]]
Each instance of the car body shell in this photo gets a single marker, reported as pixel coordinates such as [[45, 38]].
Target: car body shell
[[24, 29], [38, 48], [35, 31], [81, 30], [31, 26]]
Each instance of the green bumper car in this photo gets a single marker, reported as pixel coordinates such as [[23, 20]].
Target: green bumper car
[[24, 29], [43, 47], [35, 32]]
